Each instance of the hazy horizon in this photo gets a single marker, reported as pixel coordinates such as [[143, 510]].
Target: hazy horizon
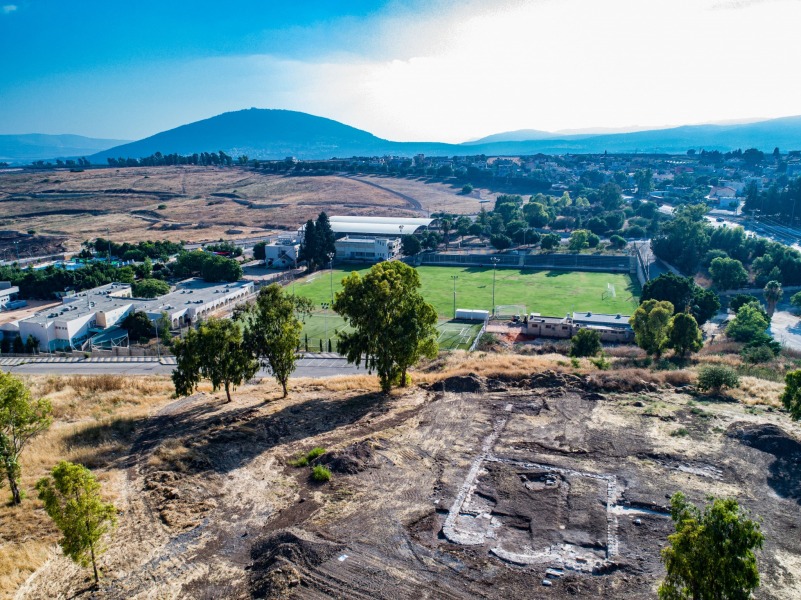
[[403, 70]]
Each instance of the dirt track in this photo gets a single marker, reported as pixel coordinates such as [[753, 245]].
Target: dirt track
[[472, 489]]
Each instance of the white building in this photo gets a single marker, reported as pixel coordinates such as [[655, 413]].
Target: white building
[[282, 253], [89, 313], [8, 293], [368, 249]]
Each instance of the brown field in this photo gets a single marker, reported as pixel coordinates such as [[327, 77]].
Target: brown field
[[202, 203], [471, 483]]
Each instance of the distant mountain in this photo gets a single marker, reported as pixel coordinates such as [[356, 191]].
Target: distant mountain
[[24, 148], [266, 134], [276, 134], [784, 133], [519, 135]]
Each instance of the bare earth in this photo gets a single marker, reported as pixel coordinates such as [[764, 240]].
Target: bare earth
[[468, 487], [201, 203]]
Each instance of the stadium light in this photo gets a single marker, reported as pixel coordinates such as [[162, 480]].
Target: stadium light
[[454, 277], [494, 260], [325, 306]]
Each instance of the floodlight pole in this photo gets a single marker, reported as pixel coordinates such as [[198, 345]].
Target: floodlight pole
[[495, 260], [331, 267], [325, 306], [454, 277]]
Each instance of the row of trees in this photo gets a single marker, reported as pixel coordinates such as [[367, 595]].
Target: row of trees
[[154, 250], [391, 328], [158, 159], [317, 247], [690, 243]]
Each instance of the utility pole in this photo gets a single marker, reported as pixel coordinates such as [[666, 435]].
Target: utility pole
[[454, 277], [495, 260], [325, 306], [331, 268]]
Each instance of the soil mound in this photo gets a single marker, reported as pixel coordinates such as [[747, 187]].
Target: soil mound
[[767, 438], [461, 384], [350, 460], [280, 560], [552, 379]]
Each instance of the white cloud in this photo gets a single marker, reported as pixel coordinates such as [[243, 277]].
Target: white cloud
[[9, 8]]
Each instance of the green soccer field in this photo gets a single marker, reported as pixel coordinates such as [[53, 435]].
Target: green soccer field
[[322, 326], [553, 293]]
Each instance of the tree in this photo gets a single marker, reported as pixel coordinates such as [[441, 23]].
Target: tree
[[326, 249], [791, 396], [218, 268], [446, 225], [215, 351], [308, 246], [393, 327], [579, 240], [683, 334], [21, 419], [259, 252], [643, 179], [711, 554], [728, 273], [795, 300], [675, 289], [272, 330], [617, 242], [71, 497], [749, 323], [586, 342], [410, 245], [684, 240], [650, 324], [536, 214], [773, 293], [138, 325], [549, 241], [150, 288], [500, 241], [467, 188], [715, 377]]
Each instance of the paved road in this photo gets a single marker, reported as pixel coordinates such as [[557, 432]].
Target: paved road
[[312, 366]]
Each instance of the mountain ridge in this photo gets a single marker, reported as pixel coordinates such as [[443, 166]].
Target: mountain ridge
[[274, 134], [40, 146]]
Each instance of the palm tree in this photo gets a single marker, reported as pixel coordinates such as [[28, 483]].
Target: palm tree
[[773, 293]]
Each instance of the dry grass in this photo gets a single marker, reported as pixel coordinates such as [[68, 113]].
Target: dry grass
[[277, 202], [95, 419], [758, 391]]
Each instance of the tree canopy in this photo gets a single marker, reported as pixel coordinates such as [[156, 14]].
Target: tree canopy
[[393, 327], [683, 334], [650, 324], [21, 419], [272, 330], [711, 554], [317, 247], [71, 497], [215, 351]]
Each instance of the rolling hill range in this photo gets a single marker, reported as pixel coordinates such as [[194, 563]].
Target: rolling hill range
[[36, 146], [276, 134]]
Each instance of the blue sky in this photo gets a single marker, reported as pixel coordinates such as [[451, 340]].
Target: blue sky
[[405, 70]]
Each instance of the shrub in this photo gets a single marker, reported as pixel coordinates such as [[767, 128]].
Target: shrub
[[757, 354], [680, 432], [586, 342], [715, 377], [162, 207], [304, 460], [320, 474], [601, 363]]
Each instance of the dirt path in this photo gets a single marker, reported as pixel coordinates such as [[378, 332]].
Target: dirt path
[[415, 204]]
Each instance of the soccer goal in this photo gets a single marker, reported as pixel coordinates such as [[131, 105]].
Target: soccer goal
[[509, 311], [609, 293]]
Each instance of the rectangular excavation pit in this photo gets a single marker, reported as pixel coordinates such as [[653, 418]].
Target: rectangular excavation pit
[[529, 513]]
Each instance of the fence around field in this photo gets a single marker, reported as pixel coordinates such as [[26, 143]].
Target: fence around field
[[621, 263]]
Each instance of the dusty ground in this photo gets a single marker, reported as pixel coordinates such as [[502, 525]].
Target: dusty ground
[[474, 486], [199, 203]]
